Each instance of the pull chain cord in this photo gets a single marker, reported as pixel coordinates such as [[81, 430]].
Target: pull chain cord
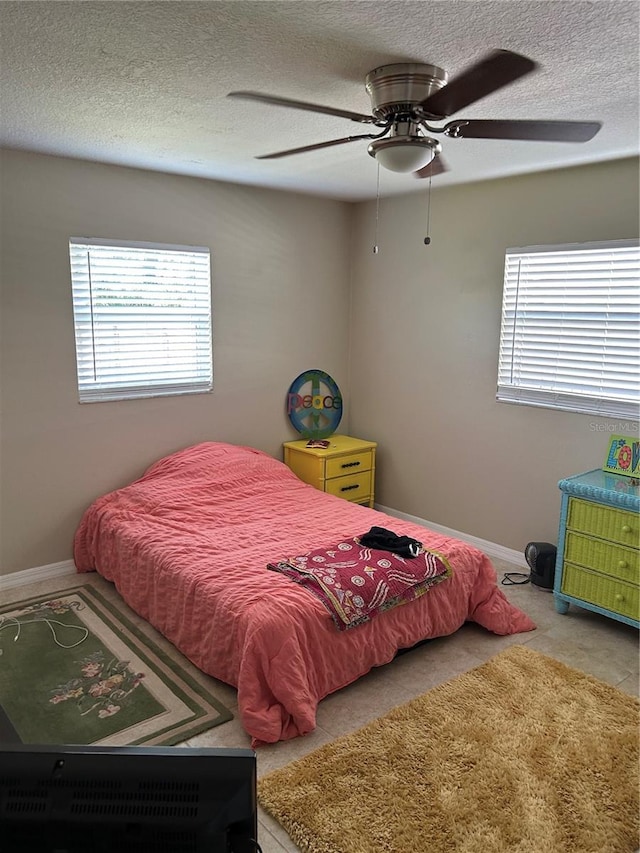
[[375, 241], [427, 239]]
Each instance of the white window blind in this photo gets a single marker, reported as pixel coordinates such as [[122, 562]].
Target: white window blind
[[142, 314], [570, 336]]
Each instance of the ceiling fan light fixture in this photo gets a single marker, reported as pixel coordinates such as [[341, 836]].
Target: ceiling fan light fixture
[[404, 153]]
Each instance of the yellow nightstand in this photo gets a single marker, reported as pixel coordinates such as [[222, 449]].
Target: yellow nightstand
[[346, 468]]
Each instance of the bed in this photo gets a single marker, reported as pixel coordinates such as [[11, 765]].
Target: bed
[[187, 546]]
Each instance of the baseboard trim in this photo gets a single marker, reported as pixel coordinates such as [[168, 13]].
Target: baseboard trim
[[491, 549], [37, 574]]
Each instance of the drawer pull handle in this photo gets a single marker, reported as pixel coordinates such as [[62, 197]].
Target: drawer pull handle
[[622, 564], [349, 464], [348, 488], [626, 528], [619, 596]]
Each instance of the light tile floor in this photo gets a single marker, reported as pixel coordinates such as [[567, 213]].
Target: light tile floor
[[595, 644]]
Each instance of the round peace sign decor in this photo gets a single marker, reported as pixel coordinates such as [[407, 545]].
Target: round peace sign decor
[[314, 404]]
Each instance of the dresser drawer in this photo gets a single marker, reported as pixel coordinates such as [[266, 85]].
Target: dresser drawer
[[353, 487], [350, 464], [616, 525], [614, 560], [614, 595]]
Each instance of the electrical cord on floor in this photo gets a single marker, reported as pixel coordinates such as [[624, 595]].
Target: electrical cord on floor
[[510, 578]]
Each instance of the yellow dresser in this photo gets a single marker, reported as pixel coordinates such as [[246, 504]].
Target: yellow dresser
[[346, 468], [598, 562]]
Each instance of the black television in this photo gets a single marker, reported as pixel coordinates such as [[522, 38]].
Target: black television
[[81, 799]]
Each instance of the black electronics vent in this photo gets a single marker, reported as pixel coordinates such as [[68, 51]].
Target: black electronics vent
[[76, 799]]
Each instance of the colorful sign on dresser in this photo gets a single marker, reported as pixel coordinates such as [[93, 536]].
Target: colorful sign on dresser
[[314, 404], [623, 456]]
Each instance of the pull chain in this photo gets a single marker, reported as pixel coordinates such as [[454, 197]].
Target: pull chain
[[375, 242], [427, 239]]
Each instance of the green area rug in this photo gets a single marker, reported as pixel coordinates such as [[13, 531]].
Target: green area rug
[[76, 670]]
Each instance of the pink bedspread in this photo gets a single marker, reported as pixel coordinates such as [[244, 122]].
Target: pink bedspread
[[187, 547]]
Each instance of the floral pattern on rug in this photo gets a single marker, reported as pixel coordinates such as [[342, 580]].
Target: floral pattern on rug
[[44, 609], [100, 687], [75, 669]]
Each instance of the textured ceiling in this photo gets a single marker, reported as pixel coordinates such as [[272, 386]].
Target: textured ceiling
[[143, 84]]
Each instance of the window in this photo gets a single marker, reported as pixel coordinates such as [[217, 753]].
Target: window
[[142, 314], [570, 335]]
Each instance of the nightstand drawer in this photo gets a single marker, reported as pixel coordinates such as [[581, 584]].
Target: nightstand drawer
[[606, 592], [354, 487], [616, 525], [351, 464], [623, 563]]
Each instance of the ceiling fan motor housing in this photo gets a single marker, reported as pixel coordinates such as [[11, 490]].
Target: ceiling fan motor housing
[[396, 89], [407, 96]]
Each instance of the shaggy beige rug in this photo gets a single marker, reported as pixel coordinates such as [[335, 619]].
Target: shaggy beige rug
[[520, 755]]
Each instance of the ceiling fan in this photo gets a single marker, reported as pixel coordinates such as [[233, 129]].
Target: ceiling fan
[[407, 97]]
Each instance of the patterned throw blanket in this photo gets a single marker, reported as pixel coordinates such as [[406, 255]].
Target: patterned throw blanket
[[355, 583]]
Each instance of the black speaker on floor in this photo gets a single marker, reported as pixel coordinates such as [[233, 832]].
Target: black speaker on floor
[[541, 557]]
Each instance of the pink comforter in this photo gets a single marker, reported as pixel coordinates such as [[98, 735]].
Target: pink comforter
[[187, 547]]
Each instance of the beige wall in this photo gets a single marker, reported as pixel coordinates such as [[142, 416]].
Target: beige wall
[[424, 349], [419, 354], [280, 266]]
